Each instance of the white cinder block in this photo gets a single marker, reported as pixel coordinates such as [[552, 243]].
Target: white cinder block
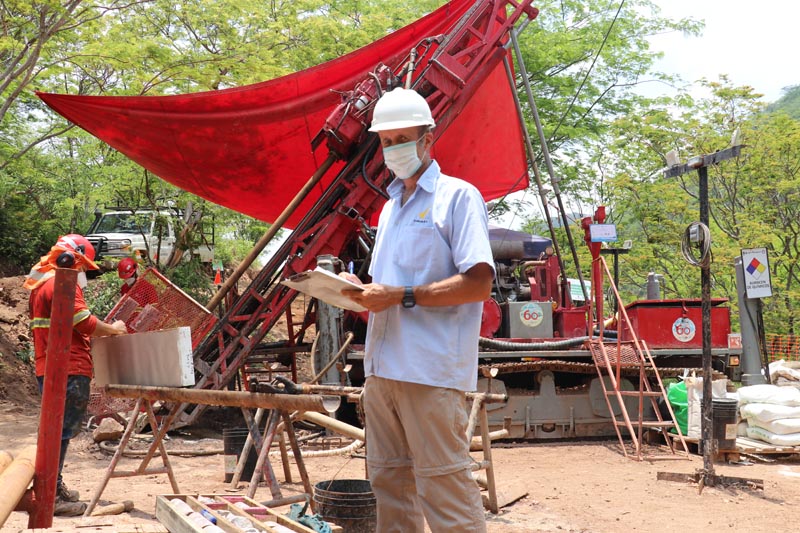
[[155, 358]]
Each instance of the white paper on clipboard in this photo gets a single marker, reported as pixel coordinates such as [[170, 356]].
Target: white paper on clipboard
[[326, 286]]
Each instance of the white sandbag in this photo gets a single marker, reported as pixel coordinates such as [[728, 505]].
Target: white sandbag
[[792, 439], [741, 429], [694, 397], [788, 371], [782, 426], [766, 412], [769, 394], [784, 382]]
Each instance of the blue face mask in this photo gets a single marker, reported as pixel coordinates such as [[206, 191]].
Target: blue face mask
[[402, 159]]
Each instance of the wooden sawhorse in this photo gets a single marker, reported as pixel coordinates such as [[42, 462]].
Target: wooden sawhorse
[[159, 432]]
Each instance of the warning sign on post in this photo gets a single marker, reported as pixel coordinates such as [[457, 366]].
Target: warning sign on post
[[756, 273]]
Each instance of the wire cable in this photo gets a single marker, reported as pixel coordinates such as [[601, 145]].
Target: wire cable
[[697, 232], [591, 67]]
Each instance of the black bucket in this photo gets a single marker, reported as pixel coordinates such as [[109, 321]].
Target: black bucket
[[724, 422], [348, 503], [233, 443]]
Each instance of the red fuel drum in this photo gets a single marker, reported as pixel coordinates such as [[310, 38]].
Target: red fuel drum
[[677, 323]]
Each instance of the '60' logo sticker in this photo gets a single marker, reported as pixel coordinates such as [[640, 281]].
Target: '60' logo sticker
[[683, 329], [531, 314]]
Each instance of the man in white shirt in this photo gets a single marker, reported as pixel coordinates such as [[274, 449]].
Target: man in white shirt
[[431, 269]]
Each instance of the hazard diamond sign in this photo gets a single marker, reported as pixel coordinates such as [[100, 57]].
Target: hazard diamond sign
[[756, 272]]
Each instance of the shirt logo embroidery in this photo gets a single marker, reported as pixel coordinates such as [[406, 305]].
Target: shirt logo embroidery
[[421, 217]]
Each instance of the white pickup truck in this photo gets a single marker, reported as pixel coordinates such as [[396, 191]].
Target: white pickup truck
[[139, 233]]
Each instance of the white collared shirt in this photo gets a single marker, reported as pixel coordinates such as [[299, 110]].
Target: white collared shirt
[[442, 230]]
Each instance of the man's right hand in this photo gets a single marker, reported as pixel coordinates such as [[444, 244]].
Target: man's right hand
[[103, 329], [352, 278]]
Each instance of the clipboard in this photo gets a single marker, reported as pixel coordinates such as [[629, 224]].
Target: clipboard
[[326, 286]]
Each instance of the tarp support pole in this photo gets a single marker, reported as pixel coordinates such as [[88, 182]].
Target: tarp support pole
[[538, 177], [548, 163], [270, 233]]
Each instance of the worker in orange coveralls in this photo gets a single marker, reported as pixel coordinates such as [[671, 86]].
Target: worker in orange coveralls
[[40, 281]]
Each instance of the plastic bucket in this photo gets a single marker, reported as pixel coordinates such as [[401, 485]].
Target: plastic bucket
[[348, 503], [233, 443], [724, 421]]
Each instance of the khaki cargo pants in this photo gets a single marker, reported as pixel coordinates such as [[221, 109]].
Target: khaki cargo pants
[[418, 458]]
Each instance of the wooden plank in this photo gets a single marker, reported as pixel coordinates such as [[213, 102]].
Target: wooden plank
[[748, 445], [256, 508], [253, 511], [677, 476], [103, 528], [507, 494], [171, 518]]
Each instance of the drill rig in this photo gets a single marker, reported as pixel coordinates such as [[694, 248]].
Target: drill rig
[[536, 340], [533, 335]]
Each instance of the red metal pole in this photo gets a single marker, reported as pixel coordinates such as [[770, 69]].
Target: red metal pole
[[54, 393]]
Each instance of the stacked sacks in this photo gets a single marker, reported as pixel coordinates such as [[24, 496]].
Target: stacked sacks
[[785, 373], [694, 394], [772, 413]]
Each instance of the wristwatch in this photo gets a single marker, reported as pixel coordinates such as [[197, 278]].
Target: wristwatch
[[408, 297]]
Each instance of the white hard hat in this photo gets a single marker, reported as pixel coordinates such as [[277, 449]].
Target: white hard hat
[[401, 108]]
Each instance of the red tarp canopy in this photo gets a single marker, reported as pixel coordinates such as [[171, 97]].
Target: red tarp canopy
[[249, 148]]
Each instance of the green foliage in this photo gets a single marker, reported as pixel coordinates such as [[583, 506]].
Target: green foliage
[[194, 279], [753, 198], [24, 237], [789, 103], [583, 59], [102, 293], [26, 354]]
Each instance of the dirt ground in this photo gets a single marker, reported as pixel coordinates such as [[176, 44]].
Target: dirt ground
[[573, 486]]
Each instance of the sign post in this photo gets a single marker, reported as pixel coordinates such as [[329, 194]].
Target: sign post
[[701, 164], [757, 282], [757, 285]]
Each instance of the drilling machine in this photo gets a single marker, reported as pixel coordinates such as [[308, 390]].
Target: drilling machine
[[533, 334]]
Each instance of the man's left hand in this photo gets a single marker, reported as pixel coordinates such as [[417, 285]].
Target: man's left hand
[[376, 297]]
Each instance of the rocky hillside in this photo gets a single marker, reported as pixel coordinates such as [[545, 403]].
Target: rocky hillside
[[17, 377]]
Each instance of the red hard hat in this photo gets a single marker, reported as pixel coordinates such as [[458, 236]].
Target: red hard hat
[[79, 244], [126, 267]]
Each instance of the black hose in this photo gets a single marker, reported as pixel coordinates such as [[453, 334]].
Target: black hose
[[610, 333], [483, 342]]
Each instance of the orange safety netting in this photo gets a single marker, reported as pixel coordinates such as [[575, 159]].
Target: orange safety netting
[[153, 303], [786, 347]]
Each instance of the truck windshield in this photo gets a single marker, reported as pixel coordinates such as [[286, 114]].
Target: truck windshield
[[123, 223]]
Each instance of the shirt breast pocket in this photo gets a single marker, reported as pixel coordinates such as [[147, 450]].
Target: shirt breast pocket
[[414, 250]]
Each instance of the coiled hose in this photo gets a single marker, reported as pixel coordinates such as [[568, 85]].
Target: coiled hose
[[495, 344]]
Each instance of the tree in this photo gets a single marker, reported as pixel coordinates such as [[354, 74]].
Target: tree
[[584, 61], [147, 47], [753, 199], [788, 103]]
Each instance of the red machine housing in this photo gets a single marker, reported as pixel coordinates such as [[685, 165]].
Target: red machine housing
[[676, 323]]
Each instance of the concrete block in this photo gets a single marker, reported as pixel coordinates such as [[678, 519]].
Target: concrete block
[[153, 358]]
